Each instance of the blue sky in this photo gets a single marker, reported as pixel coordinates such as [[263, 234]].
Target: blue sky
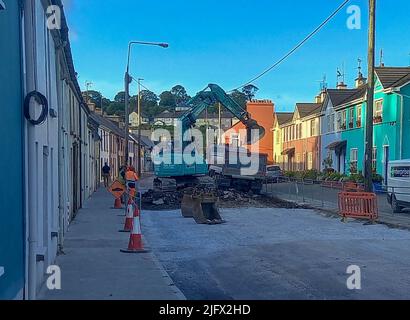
[[228, 42]]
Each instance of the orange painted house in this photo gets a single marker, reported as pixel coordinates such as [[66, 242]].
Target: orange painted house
[[263, 112], [301, 138]]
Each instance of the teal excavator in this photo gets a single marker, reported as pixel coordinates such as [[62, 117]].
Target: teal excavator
[[176, 172]]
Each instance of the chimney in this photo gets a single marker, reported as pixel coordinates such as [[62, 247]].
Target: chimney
[[341, 85], [318, 99], [360, 81], [98, 111]]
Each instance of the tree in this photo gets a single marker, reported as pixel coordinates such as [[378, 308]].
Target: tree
[[250, 91], [181, 96], [167, 100], [239, 97], [116, 108], [120, 97], [149, 104]]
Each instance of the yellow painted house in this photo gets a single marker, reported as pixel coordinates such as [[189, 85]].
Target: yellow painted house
[[281, 118]]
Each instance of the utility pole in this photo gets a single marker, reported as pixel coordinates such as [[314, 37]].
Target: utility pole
[[368, 171], [139, 128], [219, 123]]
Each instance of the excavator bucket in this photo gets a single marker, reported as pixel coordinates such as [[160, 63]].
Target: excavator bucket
[[203, 209]]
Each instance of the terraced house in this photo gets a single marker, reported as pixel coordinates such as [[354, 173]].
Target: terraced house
[[344, 124], [301, 138]]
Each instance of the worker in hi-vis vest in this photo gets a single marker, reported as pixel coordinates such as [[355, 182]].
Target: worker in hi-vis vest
[[131, 179]]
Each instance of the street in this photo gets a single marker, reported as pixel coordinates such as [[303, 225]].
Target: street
[[279, 254]]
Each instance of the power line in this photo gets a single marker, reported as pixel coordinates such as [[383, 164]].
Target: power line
[[300, 44]]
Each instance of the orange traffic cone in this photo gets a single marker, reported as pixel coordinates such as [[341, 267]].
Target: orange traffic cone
[[135, 245], [117, 204], [129, 217]]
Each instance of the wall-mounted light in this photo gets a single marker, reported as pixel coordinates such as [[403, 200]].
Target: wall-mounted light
[[2, 5]]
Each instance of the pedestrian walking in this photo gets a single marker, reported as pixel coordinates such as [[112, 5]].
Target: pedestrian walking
[[106, 170]]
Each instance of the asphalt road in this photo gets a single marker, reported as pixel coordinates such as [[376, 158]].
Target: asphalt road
[[279, 254]]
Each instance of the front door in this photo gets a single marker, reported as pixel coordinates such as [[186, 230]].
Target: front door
[[386, 159]]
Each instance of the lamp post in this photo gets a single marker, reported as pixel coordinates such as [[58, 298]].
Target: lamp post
[[139, 127], [127, 81]]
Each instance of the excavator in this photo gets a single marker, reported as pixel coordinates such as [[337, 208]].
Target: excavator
[[199, 201]]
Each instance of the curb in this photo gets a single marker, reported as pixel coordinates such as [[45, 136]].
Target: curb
[[335, 214], [178, 293]]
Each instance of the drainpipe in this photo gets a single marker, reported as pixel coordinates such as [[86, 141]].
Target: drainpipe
[[29, 73]]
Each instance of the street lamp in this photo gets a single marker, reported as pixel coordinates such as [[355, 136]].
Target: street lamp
[[127, 81]]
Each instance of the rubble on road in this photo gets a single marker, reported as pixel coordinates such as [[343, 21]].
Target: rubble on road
[[231, 198]]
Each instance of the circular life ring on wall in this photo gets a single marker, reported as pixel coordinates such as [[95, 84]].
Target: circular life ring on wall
[[42, 101]]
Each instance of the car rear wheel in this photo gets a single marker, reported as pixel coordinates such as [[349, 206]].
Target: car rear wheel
[[395, 205]]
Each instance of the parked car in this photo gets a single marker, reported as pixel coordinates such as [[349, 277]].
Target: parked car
[[274, 173], [398, 185]]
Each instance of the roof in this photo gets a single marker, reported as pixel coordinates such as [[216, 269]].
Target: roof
[[337, 96], [108, 124], [308, 109], [343, 96], [393, 76], [146, 141], [64, 34], [284, 117]]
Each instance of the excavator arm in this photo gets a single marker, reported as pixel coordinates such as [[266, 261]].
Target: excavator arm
[[214, 94]]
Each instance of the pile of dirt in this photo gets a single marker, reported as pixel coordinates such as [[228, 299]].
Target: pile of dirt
[[171, 200]]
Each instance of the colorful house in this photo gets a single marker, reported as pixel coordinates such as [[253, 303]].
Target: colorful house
[[263, 112], [344, 125], [12, 238], [301, 138], [280, 119], [335, 121], [391, 120]]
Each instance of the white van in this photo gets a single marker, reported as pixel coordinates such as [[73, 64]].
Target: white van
[[398, 185]]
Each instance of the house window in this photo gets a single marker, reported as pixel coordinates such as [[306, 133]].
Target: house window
[[374, 160], [312, 128], [378, 112], [351, 118], [278, 137], [343, 119], [235, 140], [359, 117], [353, 160], [310, 160], [332, 123]]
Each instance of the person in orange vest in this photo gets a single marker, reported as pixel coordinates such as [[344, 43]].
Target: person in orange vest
[[131, 179]]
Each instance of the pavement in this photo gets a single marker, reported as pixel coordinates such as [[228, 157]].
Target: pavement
[[93, 268], [327, 199], [273, 253]]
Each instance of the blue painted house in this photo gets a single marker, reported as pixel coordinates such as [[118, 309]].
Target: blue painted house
[[334, 123], [12, 261], [344, 123]]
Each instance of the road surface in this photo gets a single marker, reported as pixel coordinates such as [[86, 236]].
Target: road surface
[[279, 254]]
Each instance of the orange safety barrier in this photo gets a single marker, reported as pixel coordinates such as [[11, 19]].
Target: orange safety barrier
[[359, 205]]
